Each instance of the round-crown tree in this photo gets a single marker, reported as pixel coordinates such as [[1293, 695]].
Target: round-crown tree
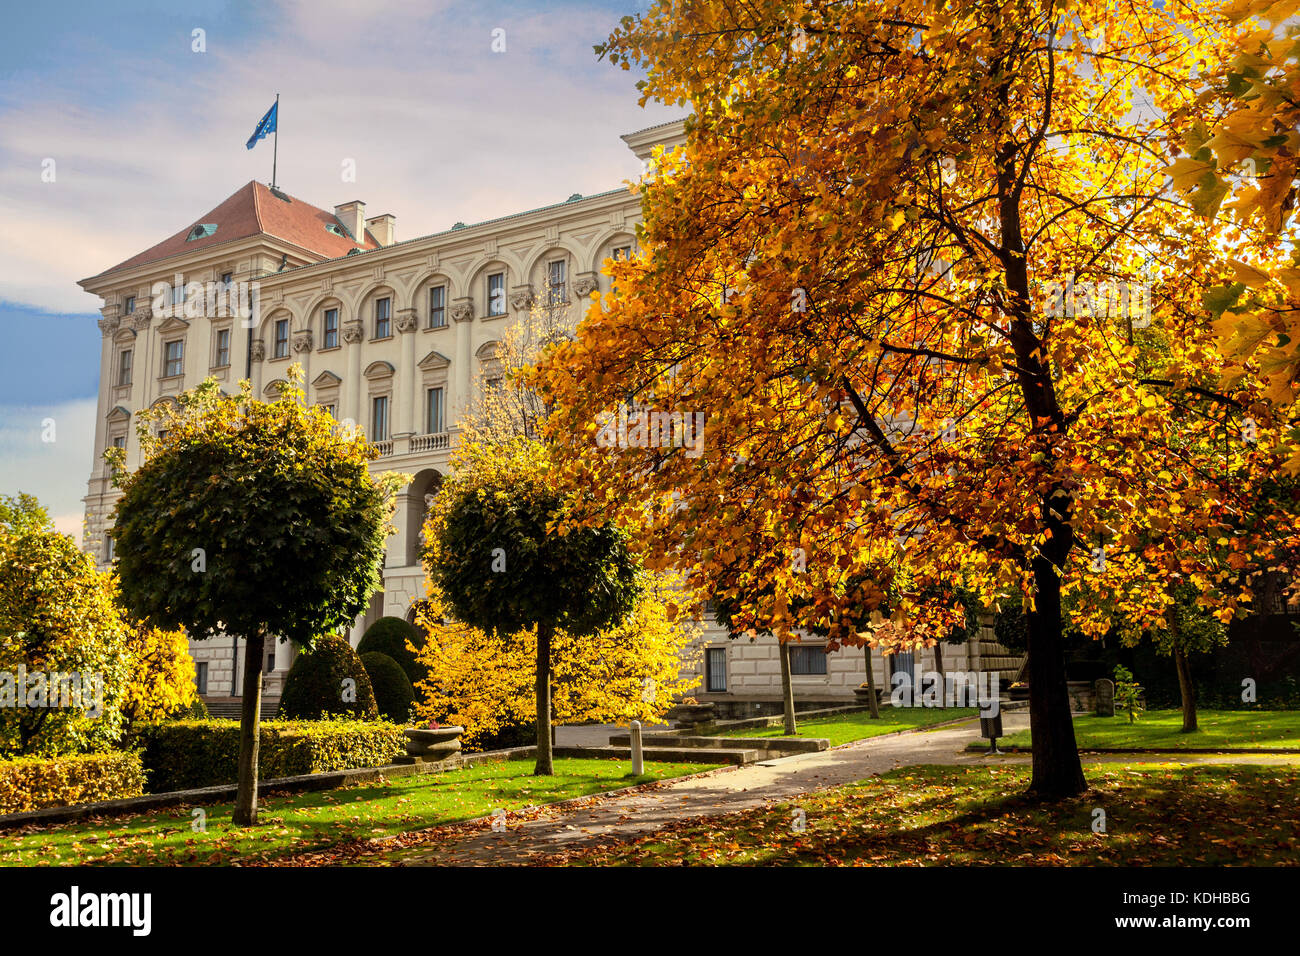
[[498, 564], [256, 519]]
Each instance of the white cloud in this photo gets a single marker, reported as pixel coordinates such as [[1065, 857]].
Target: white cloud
[[441, 130], [54, 471]]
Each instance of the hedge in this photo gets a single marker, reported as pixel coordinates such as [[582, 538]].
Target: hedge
[[183, 754], [32, 783]]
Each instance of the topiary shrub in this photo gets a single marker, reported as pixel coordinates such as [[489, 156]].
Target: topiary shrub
[[317, 683], [389, 635], [394, 694]]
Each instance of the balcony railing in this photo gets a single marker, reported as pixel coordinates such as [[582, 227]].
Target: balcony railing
[[434, 442], [385, 448]]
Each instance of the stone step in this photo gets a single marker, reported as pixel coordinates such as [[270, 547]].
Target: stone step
[[666, 754], [799, 745]]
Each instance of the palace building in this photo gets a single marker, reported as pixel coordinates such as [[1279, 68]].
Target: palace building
[[396, 336]]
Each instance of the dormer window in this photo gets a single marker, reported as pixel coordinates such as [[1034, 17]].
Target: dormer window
[[335, 229], [201, 231]]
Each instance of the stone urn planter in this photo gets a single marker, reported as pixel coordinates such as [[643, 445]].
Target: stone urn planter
[[430, 744], [1018, 693]]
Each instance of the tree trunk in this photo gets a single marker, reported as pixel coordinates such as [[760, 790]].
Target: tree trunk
[[545, 766], [1057, 771], [249, 732], [871, 684], [1186, 689], [938, 666], [787, 688]]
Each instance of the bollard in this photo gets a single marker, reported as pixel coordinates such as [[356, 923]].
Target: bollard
[[638, 762]]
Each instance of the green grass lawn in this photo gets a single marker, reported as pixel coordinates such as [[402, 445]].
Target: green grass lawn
[[859, 726], [291, 824], [1162, 728], [923, 816]]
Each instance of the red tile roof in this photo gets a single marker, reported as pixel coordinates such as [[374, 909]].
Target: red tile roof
[[255, 210]]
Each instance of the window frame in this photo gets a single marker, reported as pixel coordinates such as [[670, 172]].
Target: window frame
[[428, 410], [376, 433], [277, 341], [439, 310], [220, 351], [804, 655], [711, 671], [329, 336], [492, 312], [384, 315], [168, 359], [125, 369]]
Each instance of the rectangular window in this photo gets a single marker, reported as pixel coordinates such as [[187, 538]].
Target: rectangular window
[[124, 367], [119, 441], [201, 676], [270, 660], [379, 419], [281, 338], [808, 660], [223, 349], [555, 279], [383, 318], [622, 253], [496, 294], [438, 307], [226, 278], [329, 409], [174, 353], [331, 337], [433, 411], [715, 669], [178, 294], [129, 306]]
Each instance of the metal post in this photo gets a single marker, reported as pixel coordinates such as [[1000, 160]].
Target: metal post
[[638, 761], [275, 148]]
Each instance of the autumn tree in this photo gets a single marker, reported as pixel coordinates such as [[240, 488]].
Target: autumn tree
[[635, 670], [903, 265], [496, 562], [63, 641], [257, 519], [161, 684]]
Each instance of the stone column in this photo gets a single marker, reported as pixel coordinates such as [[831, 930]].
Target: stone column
[[302, 346], [108, 327], [144, 377], [259, 353], [406, 382], [353, 331], [462, 313]]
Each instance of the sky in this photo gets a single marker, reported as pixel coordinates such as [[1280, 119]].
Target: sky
[[119, 125]]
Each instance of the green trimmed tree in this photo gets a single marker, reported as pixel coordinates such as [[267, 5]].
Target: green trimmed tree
[[394, 694], [257, 519], [328, 679], [390, 636], [498, 562]]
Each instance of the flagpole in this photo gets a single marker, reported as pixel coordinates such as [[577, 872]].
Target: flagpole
[[275, 149]]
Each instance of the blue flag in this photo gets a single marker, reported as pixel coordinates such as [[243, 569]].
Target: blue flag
[[265, 127]]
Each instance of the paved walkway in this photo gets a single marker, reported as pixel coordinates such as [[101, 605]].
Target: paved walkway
[[731, 789]]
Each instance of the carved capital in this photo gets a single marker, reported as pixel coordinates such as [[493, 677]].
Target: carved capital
[[585, 285], [521, 298], [259, 350], [141, 318], [108, 325], [407, 320], [353, 330], [302, 341], [462, 311]]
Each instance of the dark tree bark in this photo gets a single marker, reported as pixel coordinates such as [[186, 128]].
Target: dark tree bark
[[1186, 689], [871, 684], [787, 688], [249, 732], [545, 766], [938, 666], [1057, 771]]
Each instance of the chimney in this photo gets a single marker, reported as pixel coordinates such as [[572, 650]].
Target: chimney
[[353, 216], [383, 228]]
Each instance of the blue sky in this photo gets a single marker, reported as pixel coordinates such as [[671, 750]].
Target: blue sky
[[146, 134]]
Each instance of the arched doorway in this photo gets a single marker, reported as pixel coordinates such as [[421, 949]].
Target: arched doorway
[[419, 496]]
